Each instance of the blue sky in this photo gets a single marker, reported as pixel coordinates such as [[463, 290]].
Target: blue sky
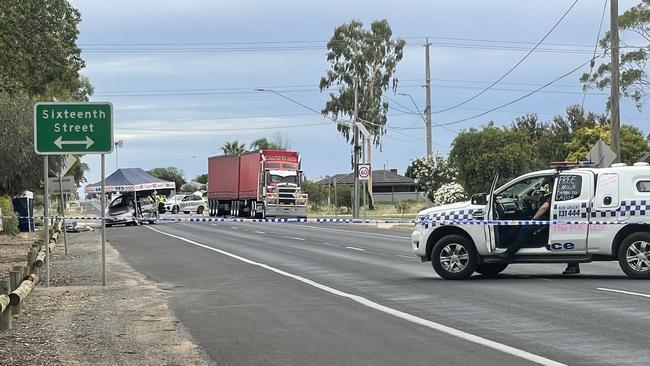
[[181, 74]]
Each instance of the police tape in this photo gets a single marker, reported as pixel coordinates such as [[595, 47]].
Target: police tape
[[423, 222]]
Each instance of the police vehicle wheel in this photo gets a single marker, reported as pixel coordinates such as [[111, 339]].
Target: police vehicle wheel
[[454, 257], [634, 255], [491, 269], [186, 212], [175, 210]]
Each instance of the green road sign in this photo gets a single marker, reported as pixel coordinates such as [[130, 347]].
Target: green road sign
[[78, 128]]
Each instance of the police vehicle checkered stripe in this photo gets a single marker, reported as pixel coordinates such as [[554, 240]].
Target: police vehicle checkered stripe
[[464, 215], [626, 208]]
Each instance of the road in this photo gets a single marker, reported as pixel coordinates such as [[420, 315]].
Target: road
[[301, 294]]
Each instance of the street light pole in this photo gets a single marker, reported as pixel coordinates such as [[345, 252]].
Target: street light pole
[[427, 108], [118, 145], [615, 78], [355, 203]]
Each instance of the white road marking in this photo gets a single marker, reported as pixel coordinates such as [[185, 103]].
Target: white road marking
[[260, 232], [406, 256], [334, 245], [360, 232], [293, 237], [355, 248], [234, 228], [385, 309], [622, 292]]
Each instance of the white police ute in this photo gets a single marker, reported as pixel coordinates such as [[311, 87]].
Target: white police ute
[[185, 203], [596, 214]]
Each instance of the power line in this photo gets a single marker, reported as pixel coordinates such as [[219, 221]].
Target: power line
[[208, 119], [513, 67], [593, 61], [520, 98], [220, 129], [199, 92]]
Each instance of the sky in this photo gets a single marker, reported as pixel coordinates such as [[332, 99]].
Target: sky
[[182, 75]]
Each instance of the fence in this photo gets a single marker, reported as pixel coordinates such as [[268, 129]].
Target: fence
[[23, 279]]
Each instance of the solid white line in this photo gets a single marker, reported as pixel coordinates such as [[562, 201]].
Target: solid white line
[[623, 292], [355, 248], [390, 311], [359, 232]]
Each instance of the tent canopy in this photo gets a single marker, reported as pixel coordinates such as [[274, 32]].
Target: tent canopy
[[130, 180]]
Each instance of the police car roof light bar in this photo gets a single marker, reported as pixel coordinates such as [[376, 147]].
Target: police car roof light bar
[[564, 165]]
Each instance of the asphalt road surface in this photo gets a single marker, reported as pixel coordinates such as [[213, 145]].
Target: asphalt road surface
[[302, 294]]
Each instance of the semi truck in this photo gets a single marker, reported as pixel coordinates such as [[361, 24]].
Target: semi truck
[[256, 184]]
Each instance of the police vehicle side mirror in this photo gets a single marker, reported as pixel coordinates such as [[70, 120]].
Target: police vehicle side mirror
[[479, 199]]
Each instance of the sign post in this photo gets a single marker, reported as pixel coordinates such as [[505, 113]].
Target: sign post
[[73, 128], [46, 219], [62, 197]]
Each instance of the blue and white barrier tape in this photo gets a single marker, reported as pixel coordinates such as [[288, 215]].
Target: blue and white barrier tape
[[362, 221]]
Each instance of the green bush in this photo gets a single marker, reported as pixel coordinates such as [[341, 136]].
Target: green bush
[[9, 217]]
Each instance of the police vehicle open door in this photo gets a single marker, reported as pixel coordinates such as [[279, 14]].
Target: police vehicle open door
[[570, 207], [489, 215]]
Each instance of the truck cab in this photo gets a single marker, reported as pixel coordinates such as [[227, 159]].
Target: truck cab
[[595, 215], [281, 192]]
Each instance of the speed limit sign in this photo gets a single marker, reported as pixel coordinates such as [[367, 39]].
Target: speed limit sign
[[364, 171]]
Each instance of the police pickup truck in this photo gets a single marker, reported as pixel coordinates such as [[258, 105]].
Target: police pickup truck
[[597, 214], [185, 203]]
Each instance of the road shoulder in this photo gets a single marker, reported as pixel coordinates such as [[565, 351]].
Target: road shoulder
[[78, 321]]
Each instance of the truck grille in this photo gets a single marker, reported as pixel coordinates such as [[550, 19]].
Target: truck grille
[[287, 195]]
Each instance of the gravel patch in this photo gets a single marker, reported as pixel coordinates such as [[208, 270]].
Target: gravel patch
[[76, 321]]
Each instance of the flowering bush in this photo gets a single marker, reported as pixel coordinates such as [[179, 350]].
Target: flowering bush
[[431, 173], [449, 193]]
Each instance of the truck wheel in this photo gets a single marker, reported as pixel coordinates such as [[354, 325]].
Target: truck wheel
[[491, 269], [175, 210], [454, 257], [199, 210], [634, 255]]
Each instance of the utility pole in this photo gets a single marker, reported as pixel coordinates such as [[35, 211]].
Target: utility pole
[[427, 108], [615, 78], [356, 153]]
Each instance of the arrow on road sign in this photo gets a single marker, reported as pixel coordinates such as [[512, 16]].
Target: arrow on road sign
[[59, 142]]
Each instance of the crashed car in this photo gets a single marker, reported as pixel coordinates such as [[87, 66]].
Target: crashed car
[[124, 210]]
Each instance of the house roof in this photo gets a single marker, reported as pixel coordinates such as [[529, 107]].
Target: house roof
[[379, 177]]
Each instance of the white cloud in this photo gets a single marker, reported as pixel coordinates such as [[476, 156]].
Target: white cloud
[[150, 130]]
